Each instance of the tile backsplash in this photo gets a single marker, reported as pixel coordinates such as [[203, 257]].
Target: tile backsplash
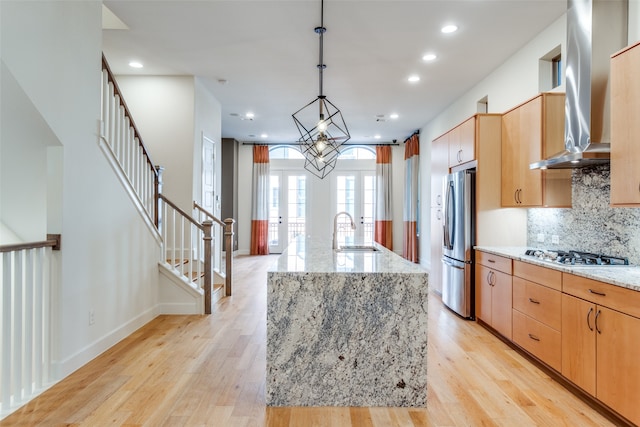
[[591, 225]]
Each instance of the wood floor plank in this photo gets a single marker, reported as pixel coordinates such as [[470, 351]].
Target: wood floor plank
[[209, 370]]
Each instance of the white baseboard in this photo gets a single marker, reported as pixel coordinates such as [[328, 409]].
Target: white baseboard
[[66, 366]]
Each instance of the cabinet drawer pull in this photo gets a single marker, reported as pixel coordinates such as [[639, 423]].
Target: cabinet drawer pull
[[597, 327], [534, 301], [589, 319], [492, 261], [533, 337], [602, 294]]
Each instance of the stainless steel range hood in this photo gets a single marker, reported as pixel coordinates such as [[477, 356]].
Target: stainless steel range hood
[[595, 30]]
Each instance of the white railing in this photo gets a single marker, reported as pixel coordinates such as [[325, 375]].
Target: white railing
[[119, 131], [28, 286]]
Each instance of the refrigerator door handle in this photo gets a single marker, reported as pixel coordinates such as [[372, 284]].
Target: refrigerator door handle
[[449, 218]]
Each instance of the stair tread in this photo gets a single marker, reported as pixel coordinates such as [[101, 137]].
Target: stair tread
[[177, 262]]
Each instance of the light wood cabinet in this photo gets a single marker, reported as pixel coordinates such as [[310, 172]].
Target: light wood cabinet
[[462, 142], [439, 168], [600, 350], [494, 292], [530, 132], [494, 226], [537, 311], [625, 127]]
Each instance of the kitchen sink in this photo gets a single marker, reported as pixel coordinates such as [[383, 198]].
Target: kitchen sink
[[357, 248]]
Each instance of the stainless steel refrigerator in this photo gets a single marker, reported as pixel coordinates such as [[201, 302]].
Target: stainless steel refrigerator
[[458, 291]]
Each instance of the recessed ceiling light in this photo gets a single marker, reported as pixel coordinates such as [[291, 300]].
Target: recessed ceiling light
[[135, 64], [264, 135], [377, 136], [449, 29], [393, 115], [429, 57], [414, 78], [249, 115]]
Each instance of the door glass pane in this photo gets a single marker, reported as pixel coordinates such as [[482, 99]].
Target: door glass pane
[[368, 207], [274, 210], [296, 206], [345, 191]]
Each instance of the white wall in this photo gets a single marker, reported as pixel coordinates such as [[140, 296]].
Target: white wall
[[634, 21], [108, 261], [23, 164], [163, 108]]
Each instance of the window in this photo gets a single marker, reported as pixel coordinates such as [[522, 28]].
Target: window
[[285, 152], [358, 153], [550, 70], [556, 71]]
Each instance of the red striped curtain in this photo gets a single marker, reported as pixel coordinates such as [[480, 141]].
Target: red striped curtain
[[410, 212], [260, 205], [383, 230]]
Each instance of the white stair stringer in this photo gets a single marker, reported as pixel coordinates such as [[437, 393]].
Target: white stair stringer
[[177, 295]]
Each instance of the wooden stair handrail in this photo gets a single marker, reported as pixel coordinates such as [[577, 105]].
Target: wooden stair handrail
[[53, 241], [117, 91], [180, 211], [207, 213]]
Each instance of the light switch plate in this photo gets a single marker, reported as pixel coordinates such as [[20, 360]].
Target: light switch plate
[[555, 239], [540, 237]]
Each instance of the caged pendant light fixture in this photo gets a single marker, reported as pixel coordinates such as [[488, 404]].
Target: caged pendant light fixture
[[320, 123]]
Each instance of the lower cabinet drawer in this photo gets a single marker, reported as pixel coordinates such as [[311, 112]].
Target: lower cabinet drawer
[[538, 339]]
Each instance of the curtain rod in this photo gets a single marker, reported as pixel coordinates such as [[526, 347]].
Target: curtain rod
[[297, 143], [409, 137]]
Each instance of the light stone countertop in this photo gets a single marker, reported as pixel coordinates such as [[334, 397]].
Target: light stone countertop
[[316, 256], [346, 328], [624, 276]]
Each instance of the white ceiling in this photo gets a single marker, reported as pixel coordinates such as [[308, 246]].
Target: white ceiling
[[267, 52]]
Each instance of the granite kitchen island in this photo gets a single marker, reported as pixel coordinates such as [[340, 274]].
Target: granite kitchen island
[[346, 328]]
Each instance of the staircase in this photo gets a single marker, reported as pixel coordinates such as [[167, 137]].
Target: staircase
[[193, 244]]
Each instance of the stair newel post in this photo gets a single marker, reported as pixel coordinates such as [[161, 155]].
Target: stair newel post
[[228, 248], [157, 190], [208, 280]]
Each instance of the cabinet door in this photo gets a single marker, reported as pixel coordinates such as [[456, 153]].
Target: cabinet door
[[435, 275], [530, 151], [579, 342], [618, 357], [625, 128], [462, 143], [511, 178], [501, 304], [522, 145], [483, 293], [439, 168]]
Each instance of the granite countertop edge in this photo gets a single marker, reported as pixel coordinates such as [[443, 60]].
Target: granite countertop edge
[[623, 276]]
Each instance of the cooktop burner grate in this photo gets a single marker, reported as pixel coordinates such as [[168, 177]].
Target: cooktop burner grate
[[576, 257]]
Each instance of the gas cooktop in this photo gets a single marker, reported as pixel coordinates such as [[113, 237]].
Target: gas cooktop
[[576, 258]]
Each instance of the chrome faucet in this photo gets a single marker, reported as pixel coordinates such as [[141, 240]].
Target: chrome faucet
[[335, 226]]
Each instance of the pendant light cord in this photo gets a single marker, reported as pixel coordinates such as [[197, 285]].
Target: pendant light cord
[[321, 30]]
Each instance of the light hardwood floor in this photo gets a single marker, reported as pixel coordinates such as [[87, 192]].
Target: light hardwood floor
[[210, 371]]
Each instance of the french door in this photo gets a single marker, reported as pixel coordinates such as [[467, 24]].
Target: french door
[[355, 194], [287, 208]]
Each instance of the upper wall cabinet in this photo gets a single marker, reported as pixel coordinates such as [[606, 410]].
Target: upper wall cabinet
[[462, 143], [530, 132], [439, 168], [625, 127], [494, 226]]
